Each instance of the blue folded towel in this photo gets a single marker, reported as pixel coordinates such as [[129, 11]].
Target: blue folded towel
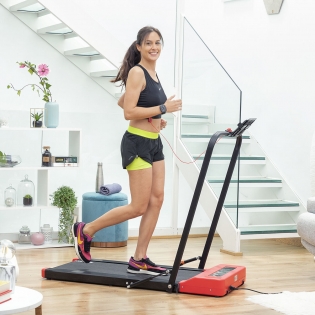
[[110, 189]]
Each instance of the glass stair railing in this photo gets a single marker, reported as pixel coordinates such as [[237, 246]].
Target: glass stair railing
[[256, 201]]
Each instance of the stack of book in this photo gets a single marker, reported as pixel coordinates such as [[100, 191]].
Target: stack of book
[[64, 161], [5, 292]]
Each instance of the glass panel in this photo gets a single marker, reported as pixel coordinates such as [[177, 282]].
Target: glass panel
[[36, 7], [88, 54], [211, 102], [62, 31]]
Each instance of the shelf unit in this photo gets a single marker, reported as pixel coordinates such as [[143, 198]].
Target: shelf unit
[[42, 187]]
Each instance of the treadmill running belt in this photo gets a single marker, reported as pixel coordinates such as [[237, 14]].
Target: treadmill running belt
[[113, 273]]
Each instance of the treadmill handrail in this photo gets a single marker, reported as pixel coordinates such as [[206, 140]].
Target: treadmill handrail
[[191, 213], [193, 206]]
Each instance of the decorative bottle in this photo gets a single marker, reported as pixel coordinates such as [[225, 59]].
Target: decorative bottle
[[25, 235], [46, 157], [99, 177]]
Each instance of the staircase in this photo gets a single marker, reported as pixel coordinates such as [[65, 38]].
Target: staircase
[[265, 207], [65, 26]]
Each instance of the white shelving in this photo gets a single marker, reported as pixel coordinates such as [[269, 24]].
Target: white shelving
[[28, 142], [54, 243]]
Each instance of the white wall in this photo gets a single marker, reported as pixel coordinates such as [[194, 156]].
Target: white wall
[[271, 58], [123, 19], [83, 104]]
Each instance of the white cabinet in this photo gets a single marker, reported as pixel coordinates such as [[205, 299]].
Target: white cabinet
[[28, 143]]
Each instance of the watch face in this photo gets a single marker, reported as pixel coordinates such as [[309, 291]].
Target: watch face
[[163, 109]]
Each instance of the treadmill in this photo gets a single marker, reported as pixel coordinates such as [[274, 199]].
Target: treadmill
[[216, 281]]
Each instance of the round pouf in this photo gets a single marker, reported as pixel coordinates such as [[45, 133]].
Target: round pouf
[[95, 205]]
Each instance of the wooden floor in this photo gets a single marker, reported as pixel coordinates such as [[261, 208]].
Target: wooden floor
[[271, 267]]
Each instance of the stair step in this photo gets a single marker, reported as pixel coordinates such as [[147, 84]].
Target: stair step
[[268, 229], [195, 116], [61, 31], [34, 8], [56, 27], [102, 68], [249, 181], [228, 157], [204, 136], [18, 5], [223, 159], [83, 52], [262, 206]]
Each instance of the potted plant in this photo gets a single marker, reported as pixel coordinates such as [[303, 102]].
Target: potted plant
[[37, 123], [64, 198], [51, 118], [3, 158], [27, 200]]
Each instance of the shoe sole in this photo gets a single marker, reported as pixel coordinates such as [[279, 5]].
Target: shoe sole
[[147, 272], [76, 247]]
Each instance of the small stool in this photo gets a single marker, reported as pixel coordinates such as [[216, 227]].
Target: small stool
[[95, 205]]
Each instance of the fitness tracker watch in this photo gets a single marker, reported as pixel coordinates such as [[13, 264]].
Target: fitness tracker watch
[[163, 109]]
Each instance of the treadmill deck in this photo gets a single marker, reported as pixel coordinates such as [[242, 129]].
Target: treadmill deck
[[114, 273]]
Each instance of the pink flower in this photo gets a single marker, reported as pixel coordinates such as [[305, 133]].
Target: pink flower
[[43, 70], [22, 65]]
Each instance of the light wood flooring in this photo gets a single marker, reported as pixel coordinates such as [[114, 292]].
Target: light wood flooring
[[270, 266]]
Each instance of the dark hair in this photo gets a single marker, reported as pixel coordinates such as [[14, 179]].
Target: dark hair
[[133, 56]]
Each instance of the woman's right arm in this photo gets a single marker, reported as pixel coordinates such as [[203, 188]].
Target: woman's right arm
[[134, 86], [121, 101]]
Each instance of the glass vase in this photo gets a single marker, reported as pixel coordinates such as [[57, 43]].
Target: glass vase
[[26, 192]]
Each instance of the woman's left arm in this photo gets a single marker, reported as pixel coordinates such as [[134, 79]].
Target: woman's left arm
[[163, 123]]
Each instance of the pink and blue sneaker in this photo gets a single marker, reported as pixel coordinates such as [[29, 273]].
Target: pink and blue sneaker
[[146, 266], [82, 242]]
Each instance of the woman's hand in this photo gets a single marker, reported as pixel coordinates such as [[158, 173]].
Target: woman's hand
[[173, 105], [163, 124]]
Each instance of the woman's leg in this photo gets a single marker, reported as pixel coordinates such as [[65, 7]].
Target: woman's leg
[[140, 182], [150, 217]]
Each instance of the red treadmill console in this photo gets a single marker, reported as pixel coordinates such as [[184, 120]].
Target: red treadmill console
[[215, 281]]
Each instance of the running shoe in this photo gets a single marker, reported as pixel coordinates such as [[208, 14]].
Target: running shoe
[[82, 242], [145, 265]]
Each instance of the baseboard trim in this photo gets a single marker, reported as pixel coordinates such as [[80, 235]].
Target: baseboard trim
[[173, 236], [229, 252], [296, 241], [109, 244]]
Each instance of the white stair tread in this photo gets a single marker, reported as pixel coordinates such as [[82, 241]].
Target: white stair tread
[[246, 179]]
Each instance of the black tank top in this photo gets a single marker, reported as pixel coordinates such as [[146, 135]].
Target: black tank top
[[153, 93]]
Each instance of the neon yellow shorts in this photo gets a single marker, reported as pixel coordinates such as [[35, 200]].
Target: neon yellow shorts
[[138, 164], [140, 148]]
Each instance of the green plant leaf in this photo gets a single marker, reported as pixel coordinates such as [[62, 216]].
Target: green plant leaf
[[8, 86], [45, 98], [30, 70], [48, 86], [19, 92]]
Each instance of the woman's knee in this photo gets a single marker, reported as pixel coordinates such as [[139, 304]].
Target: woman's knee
[[139, 209], [156, 200]]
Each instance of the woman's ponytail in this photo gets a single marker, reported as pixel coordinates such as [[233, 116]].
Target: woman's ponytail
[[133, 56]]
